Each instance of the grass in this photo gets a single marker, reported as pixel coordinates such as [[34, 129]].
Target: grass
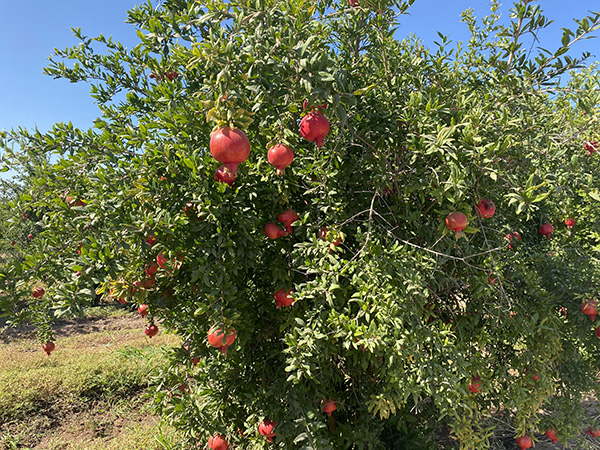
[[89, 394]]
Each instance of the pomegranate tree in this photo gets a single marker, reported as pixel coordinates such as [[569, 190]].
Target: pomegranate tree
[[280, 156], [231, 147], [314, 127]]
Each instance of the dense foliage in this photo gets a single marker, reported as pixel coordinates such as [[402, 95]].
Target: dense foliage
[[408, 328]]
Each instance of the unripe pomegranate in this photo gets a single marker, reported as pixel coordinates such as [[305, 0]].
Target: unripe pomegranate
[[546, 230], [280, 156], [551, 434], [48, 347], [161, 259], [218, 442], [570, 223], [215, 339], [314, 127], [588, 307], [283, 298], [151, 269], [524, 442], [273, 231], [265, 428], [224, 175], [485, 208], [38, 292], [230, 146], [328, 406], [475, 385], [143, 310], [151, 330]]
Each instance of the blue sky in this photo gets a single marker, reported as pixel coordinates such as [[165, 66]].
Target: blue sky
[[31, 29]]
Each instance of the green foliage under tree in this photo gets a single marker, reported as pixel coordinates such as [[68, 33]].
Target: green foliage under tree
[[395, 321]]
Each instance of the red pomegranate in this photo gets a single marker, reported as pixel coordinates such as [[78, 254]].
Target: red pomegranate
[[72, 201], [218, 442], [280, 156], [598, 332], [143, 310], [38, 292], [13, 243], [536, 377], [324, 233], [151, 330], [122, 301], [591, 147], [30, 236], [354, 3], [283, 298], [524, 442], [151, 269], [224, 175], [230, 146], [588, 307], [146, 283], [48, 347], [570, 223], [161, 259], [516, 235], [215, 339], [457, 221], [265, 428], [171, 75], [151, 240], [546, 230], [273, 231], [288, 217], [328, 406], [485, 208], [475, 385], [314, 127], [551, 434]]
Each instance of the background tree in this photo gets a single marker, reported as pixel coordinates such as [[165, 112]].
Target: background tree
[[395, 319]]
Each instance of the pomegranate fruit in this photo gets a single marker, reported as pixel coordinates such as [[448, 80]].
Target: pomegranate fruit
[[546, 230], [475, 385], [224, 175], [280, 156], [354, 3], [230, 146], [265, 428], [324, 234], [151, 240], [598, 332], [38, 292], [283, 298], [570, 223], [588, 307], [151, 330], [551, 434], [485, 208], [30, 236], [273, 231], [536, 377], [288, 217], [456, 221], [72, 201], [216, 338], [591, 147], [218, 442], [509, 237], [151, 269], [328, 406], [524, 442], [143, 310], [314, 127], [48, 347], [161, 259]]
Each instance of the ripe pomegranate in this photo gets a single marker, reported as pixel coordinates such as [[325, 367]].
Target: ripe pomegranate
[[230, 146], [151, 269], [280, 156], [122, 301], [38, 292], [218, 442], [524, 442], [314, 127], [591, 147], [492, 279], [354, 3], [161, 259], [324, 233], [30, 236], [551, 434], [546, 230], [588, 307], [283, 298], [570, 223], [224, 175], [171, 75], [48, 347], [598, 332], [143, 310], [13, 243], [265, 428], [146, 283], [328, 406], [516, 235], [151, 330], [536, 376], [195, 361], [151, 240], [457, 221], [595, 432], [273, 231], [215, 339], [72, 201], [288, 217], [475, 385], [485, 208]]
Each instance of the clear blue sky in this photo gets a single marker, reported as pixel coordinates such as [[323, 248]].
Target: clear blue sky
[[31, 29]]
